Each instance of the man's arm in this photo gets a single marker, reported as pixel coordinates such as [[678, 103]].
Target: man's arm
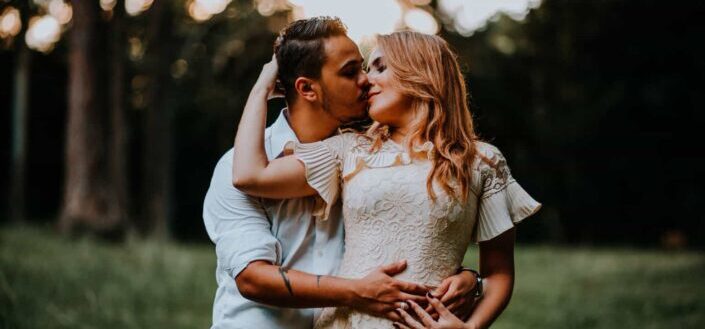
[[248, 252], [378, 293]]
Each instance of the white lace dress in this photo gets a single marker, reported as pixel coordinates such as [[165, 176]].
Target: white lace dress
[[389, 215]]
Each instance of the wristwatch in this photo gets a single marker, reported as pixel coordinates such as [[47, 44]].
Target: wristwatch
[[478, 283]]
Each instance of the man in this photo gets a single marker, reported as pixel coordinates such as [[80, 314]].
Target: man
[[275, 260]]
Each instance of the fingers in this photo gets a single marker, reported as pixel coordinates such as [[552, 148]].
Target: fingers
[[451, 294], [425, 317], [400, 325], [401, 305], [439, 307], [410, 321], [393, 268], [456, 305], [443, 288], [412, 288], [393, 316], [416, 298], [431, 311]]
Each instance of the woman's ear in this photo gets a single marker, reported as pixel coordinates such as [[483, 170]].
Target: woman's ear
[[305, 88]]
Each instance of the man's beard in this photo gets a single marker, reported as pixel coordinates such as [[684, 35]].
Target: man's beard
[[344, 120]]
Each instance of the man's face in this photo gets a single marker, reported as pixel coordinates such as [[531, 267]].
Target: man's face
[[343, 81]]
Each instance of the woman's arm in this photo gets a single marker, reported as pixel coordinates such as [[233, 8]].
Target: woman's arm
[[497, 270], [253, 174]]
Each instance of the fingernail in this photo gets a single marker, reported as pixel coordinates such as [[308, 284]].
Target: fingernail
[[396, 325]]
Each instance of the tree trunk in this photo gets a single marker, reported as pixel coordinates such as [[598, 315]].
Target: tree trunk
[[158, 126], [119, 209], [19, 133], [86, 192]]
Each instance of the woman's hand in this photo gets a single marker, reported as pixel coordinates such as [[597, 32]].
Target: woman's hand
[[267, 80], [458, 293], [446, 319]]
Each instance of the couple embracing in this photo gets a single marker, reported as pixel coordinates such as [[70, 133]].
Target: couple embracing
[[318, 227]]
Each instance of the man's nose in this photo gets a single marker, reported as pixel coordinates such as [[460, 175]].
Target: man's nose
[[363, 81]]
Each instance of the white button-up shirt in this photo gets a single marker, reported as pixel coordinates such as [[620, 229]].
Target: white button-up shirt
[[284, 232]]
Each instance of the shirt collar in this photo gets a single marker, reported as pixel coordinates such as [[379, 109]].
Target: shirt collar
[[281, 133]]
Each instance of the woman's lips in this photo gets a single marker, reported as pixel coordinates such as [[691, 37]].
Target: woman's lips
[[370, 95]]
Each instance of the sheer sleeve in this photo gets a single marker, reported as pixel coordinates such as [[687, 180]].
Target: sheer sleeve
[[503, 203], [323, 161]]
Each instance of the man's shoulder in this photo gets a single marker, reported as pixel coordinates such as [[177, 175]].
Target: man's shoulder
[[227, 157]]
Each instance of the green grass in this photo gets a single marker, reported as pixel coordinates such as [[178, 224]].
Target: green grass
[[51, 282]]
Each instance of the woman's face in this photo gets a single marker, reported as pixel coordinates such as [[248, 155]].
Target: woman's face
[[387, 104]]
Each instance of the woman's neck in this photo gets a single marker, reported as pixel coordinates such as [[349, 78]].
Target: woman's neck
[[398, 134]]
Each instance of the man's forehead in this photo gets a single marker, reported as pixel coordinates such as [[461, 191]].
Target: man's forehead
[[340, 50]]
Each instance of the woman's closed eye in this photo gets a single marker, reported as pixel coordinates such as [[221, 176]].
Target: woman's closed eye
[[377, 68]]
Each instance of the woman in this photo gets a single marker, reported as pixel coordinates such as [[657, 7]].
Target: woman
[[418, 185]]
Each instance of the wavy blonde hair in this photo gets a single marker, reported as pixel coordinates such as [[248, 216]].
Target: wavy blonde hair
[[425, 69]]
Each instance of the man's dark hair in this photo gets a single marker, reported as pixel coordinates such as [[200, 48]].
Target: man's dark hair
[[300, 51]]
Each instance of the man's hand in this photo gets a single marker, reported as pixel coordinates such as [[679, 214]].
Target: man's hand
[[457, 294], [380, 294]]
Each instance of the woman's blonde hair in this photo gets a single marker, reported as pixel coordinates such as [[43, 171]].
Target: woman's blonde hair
[[425, 69]]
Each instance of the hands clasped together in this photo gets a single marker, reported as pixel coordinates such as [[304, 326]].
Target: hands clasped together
[[381, 295]]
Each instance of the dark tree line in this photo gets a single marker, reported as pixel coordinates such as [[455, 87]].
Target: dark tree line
[[114, 83], [597, 105]]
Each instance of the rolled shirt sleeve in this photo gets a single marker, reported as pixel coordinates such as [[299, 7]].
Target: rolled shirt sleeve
[[237, 223]]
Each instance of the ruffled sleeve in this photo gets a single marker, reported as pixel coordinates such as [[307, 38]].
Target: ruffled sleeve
[[322, 161], [503, 203]]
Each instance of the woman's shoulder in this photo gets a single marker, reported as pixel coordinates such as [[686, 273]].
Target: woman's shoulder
[[487, 149], [488, 155], [343, 140]]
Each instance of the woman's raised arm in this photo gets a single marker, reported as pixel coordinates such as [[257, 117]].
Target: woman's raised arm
[[253, 173]]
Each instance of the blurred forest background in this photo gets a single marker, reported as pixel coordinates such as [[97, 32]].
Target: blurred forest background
[[114, 113]]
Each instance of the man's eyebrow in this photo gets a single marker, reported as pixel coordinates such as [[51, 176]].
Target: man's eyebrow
[[350, 63]]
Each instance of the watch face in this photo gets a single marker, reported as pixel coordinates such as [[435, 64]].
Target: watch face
[[478, 287]]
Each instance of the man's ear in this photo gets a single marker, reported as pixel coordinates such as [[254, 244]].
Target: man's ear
[[305, 88]]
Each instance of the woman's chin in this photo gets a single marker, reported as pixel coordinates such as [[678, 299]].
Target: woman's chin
[[375, 113]]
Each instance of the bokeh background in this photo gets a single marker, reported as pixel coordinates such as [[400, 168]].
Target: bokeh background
[[114, 113]]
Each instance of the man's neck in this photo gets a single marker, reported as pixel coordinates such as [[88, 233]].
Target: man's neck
[[310, 124]]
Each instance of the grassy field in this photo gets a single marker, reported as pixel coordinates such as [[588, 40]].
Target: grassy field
[[52, 282]]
